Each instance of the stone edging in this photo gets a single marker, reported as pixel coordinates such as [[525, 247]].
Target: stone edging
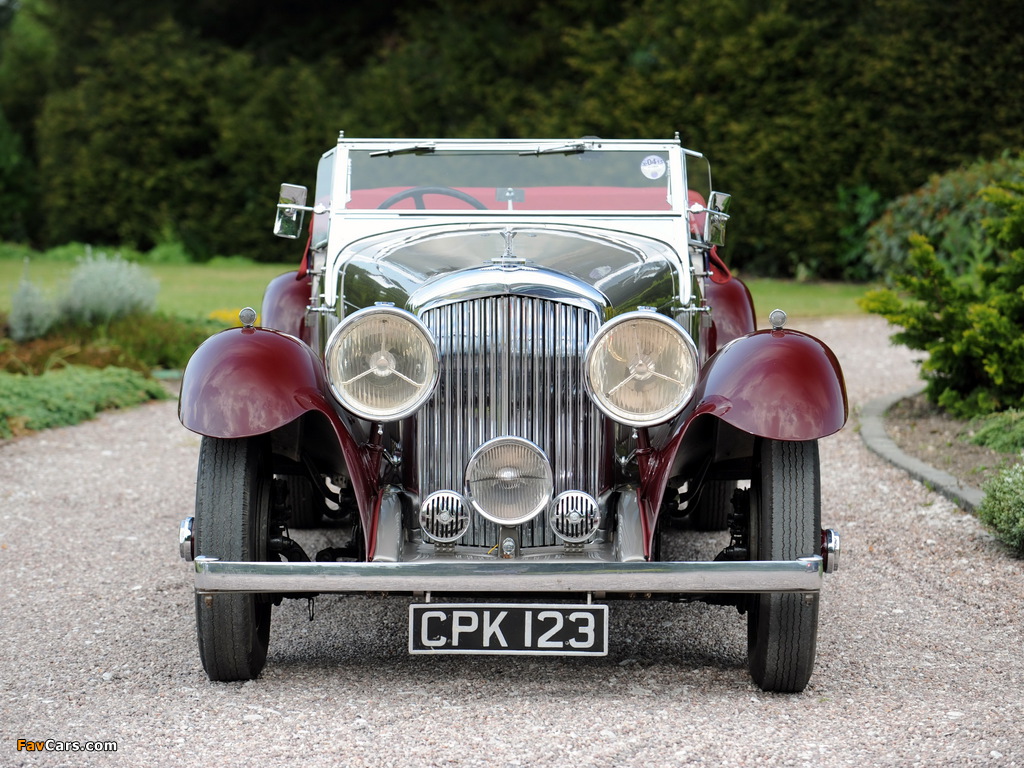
[[872, 432]]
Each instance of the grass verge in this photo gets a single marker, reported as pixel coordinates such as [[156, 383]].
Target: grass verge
[[801, 300]]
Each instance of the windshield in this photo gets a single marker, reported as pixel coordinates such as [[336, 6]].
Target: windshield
[[570, 177]]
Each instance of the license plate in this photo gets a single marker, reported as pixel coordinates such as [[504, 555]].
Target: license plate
[[556, 630]]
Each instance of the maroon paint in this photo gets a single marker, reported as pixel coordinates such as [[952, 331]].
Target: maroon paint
[[782, 385], [733, 314], [251, 381], [284, 304]]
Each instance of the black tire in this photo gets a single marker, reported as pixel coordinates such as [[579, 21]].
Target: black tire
[[305, 506], [233, 499], [714, 506], [785, 523]]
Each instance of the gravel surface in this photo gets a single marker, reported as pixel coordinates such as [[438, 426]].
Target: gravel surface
[[919, 654]]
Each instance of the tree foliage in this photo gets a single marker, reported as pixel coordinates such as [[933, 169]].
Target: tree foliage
[[949, 210], [167, 120]]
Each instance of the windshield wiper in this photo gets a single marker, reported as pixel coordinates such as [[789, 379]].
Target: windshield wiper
[[416, 149], [576, 148]]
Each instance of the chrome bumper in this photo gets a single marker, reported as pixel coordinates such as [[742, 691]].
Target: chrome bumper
[[438, 577]]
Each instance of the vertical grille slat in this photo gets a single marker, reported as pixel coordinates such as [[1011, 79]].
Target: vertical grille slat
[[510, 366]]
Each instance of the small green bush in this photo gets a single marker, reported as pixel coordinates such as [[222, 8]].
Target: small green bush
[[971, 325], [950, 211], [68, 396], [159, 341], [140, 342], [1003, 432], [1003, 506]]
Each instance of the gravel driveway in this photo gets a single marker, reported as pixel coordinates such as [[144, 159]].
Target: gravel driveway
[[920, 657]]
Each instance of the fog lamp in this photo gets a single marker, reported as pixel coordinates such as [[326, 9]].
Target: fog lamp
[[509, 480]]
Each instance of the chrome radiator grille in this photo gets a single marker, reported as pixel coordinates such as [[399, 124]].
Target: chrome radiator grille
[[510, 365]]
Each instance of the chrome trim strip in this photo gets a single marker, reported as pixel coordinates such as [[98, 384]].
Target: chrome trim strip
[[629, 539], [497, 576], [388, 547]]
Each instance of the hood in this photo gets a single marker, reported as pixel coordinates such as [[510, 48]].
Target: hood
[[611, 271]]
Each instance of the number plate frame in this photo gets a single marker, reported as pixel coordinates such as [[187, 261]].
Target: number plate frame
[[528, 629]]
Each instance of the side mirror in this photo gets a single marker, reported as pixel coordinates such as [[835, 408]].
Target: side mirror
[[291, 208], [717, 215]]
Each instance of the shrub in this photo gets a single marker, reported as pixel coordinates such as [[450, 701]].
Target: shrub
[[950, 211], [139, 342], [158, 340], [12, 251], [33, 313], [858, 207], [68, 396], [971, 325], [103, 289], [1003, 432], [1003, 506]]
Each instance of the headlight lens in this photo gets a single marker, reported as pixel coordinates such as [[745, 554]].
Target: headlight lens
[[509, 480], [641, 369], [381, 363]]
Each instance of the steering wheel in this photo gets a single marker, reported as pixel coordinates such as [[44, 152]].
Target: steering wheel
[[417, 193]]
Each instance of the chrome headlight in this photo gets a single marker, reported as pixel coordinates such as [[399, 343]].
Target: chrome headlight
[[641, 368], [381, 363], [509, 480]]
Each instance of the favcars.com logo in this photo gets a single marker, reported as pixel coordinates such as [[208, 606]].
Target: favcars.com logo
[[52, 745]]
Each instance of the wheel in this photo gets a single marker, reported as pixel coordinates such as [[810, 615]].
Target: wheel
[[231, 523], [305, 506], [714, 506], [417, 193], [785, 523]]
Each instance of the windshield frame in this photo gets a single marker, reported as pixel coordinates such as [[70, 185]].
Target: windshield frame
[[676, 181]]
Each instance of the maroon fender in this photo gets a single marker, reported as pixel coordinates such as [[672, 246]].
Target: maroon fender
[[783, 385], [251, 381], [732, 313], [285, 302]]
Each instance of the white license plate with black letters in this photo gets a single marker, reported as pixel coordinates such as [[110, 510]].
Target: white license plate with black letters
[[517, 628]]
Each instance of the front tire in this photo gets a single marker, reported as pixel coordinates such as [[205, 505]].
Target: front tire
[[785, 523], [714, 506], [232, 520]]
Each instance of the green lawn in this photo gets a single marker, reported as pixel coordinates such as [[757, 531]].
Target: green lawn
[[196, 290], [804, 299], [189, 290]]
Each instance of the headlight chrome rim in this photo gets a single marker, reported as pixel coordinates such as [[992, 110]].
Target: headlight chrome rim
[[384, 365], [543, 484], [643, 370]]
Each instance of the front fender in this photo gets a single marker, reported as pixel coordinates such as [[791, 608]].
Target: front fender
[[250, 381], [284, 304], [782, 385]]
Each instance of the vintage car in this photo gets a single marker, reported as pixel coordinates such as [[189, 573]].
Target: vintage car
[[503, 371]]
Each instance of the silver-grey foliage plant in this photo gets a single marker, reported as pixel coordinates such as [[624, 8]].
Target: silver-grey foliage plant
[[33, 313], [103, 289]]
